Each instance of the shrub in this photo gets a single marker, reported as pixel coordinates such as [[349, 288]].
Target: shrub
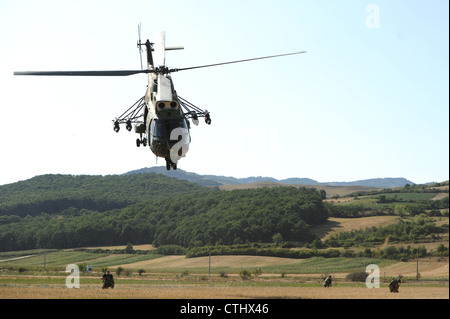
[[245, 274], [390, 252], [129, 249], [442, 251], [357, 276], [171, 250], [185, 273], [257, 272], [22, 269]]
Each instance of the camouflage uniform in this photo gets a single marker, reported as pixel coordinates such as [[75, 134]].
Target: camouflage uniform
[[108, 280], [327, 282], [394, 285]]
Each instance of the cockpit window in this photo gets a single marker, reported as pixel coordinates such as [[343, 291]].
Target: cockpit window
[[163, 128]]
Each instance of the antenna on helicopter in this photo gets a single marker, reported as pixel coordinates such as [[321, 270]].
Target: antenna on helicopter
[[139, 44]]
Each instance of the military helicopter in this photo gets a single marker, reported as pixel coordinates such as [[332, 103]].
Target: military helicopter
[[161, 117]]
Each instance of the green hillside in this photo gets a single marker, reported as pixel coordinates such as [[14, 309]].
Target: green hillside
[[52, 194], [64, 211], [196, 219]]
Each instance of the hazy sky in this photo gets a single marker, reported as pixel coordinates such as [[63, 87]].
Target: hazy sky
[[370, 99]]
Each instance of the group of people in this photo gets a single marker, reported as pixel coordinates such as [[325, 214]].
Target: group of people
[[108, 282], [394, 285]]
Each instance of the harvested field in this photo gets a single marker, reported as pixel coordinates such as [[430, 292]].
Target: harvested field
[[335, 225], [181, 262], [330, 190], [164, 279], [428, 268], [174, 291], [135, 247]]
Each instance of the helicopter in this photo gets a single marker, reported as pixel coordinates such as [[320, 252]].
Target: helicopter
[[161, 117]]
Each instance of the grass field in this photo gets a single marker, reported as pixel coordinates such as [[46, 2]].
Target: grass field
[[194, 287], [177, 277], [430, 268]]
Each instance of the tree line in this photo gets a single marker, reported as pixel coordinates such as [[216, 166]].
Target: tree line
[[420, 229]]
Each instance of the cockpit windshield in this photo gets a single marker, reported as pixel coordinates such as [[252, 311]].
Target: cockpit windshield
[[163, 128]]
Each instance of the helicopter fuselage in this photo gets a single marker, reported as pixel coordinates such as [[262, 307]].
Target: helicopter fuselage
[[167, 129]]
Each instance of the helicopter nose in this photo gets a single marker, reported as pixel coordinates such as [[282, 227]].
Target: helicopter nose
[[160, 148]]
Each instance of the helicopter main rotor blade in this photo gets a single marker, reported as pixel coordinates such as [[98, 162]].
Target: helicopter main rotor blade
[[238, 61], [162, 70], [83, 73]]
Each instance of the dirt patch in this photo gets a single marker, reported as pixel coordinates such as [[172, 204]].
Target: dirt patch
[[16, 258], [440, 196], [135, 247]]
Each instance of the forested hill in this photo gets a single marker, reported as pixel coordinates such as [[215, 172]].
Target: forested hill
[[52, 194], [207, 217]]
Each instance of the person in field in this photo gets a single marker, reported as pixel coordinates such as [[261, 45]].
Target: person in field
[[108, 280], [327, 282], [394, 285]]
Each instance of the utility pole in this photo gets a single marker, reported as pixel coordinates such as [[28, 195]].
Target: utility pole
[[209, 269], [417, 275]]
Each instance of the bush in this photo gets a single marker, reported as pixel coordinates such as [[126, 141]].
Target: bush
[[185, 273], [22, 269], [245, 274], [257, 272], [390, 252], [129, 249], [357, 276], [442, 251], [171, 250]]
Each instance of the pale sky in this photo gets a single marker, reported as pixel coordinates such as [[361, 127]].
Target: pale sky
[[369, 99]]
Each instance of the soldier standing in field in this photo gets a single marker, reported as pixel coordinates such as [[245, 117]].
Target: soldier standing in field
[[108, 280]]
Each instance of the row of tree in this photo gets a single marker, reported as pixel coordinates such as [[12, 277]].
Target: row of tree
[[391, 252], [430, 207], [418, 230]]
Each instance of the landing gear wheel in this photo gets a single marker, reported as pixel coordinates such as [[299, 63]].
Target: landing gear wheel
[[170, 164], [138, 142]]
